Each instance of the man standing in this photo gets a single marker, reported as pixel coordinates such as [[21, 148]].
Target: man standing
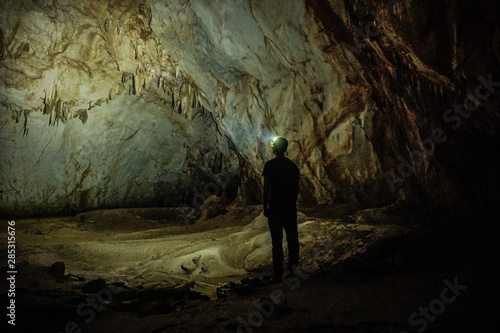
[[281, 189]]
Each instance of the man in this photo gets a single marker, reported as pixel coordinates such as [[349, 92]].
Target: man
[[281, 189]]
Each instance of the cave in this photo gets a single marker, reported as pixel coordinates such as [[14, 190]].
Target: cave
[[133, 139]]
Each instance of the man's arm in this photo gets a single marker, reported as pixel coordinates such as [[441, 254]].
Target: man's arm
[[295, 187], [266, 196]]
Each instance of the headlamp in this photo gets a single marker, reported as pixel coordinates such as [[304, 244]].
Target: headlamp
[[273, 140]]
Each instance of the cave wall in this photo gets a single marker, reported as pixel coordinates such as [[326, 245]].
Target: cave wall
[[120, 157], [92, 116], [184, 93]]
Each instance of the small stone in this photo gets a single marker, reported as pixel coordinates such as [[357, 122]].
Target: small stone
[[196, 259], [57, 269], [188, 266], [94, 286]]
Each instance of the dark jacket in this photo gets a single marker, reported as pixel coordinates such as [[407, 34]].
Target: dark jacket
[[281, 185]]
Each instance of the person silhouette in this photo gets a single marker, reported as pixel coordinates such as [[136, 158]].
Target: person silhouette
[[281, 189]]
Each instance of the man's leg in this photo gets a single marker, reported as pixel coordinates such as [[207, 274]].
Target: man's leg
[[276, 229], [292, 239]]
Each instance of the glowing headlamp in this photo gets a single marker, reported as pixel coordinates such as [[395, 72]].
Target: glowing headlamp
[[273, 140]]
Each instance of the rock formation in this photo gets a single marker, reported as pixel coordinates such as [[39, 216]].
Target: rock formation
[[144, 103]]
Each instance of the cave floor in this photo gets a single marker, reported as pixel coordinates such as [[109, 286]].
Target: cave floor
[[363, 271]]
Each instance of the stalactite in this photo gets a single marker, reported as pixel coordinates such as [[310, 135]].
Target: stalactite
[[138, 82], [64, 112], [182, 96], [49, 104], [51, 116], [83, 116], [106, 24], [16, 115], [128, 80], [117, 89], [26, 122], [193, 102], [57, 112]]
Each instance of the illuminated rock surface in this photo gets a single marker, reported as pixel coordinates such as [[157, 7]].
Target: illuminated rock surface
[[141, 251], [366, 276], [149, 101], [120, 104]]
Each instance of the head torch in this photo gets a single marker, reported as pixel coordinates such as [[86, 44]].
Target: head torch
[[273, 141]]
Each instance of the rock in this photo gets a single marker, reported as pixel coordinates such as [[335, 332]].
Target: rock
[[58, 269], [213, 206], [94, 286], [190, 265], [189, 94], [196, 260]]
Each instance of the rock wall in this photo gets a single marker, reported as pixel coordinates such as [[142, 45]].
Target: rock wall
[[186, 93], [94, 114], [130, 152]]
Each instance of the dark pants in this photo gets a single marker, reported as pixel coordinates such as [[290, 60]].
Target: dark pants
[[278, 222]]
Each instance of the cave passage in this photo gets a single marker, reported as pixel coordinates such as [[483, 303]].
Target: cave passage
[[133, 140]]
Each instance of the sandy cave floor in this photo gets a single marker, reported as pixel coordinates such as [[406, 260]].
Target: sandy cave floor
[[363, 271]]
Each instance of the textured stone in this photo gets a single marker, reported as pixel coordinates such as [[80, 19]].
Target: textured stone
[[57, 269], [173, 95]]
